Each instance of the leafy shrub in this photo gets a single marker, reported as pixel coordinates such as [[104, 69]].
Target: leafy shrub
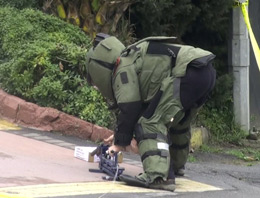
[[189, 20], [164, 17], [217, 114], [20, 3], [43, 59], [204, 24]]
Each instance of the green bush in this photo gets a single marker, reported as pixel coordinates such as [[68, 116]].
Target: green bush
[[164, 17], [21, 4], [204, 24], [42, 60], [217, 114]]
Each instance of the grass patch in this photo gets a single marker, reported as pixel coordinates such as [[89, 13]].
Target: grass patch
[[246, 154], [210, 149], [191, 159]]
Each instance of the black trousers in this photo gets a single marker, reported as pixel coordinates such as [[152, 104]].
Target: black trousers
[[196, 86]]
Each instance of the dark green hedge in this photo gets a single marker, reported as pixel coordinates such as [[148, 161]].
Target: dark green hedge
[[21, 4], [42, 60], [205, 24]]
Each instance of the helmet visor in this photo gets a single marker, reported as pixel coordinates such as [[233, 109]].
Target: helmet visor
[[100, 75]]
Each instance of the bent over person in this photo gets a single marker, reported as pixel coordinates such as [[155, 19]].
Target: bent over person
[[158, 87]]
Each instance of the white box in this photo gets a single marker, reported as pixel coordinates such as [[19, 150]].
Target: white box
[[84, 153]]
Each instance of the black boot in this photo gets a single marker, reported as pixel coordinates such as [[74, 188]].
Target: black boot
[[158, 183]]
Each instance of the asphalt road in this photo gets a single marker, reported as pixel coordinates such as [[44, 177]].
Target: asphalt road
[[212, 175]]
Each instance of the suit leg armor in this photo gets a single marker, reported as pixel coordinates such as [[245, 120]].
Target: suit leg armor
[[152, 131], [180, 136], [154, 150]]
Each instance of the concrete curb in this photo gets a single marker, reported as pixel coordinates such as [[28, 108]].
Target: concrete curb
[[30, 115]]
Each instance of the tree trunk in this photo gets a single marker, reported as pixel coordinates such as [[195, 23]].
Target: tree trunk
[[91, 15]]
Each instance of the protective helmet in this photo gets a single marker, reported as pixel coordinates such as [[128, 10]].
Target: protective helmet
[[100, 63]]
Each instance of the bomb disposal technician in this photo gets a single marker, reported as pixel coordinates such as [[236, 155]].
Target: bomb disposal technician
[[158, 87]]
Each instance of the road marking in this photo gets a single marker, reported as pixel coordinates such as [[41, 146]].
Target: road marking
[[41, 138], [30, 135], [4, 125], [10, 196], [73, 189], [64, 144], [186, 185]]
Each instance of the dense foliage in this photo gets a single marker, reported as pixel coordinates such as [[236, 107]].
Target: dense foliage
[[92, 16], [30, 57], [164, 17], [205, 24], [20, 4], [201, 23], [42, 60], [217, 113]]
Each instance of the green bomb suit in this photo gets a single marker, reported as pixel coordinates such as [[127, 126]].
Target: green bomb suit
[[146, 86], [144, 81]]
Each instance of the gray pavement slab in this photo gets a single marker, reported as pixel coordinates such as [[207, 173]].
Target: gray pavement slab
[[29, 166]]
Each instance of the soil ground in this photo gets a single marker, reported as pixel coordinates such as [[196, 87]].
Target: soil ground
[[219, 153]]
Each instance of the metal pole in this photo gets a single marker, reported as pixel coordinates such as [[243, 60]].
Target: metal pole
[[240, 63]]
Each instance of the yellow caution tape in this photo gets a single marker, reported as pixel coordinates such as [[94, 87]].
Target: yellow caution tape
[[250, 31]]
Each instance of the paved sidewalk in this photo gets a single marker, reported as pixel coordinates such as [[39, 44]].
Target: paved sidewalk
[[42, 164], [27, 161]]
